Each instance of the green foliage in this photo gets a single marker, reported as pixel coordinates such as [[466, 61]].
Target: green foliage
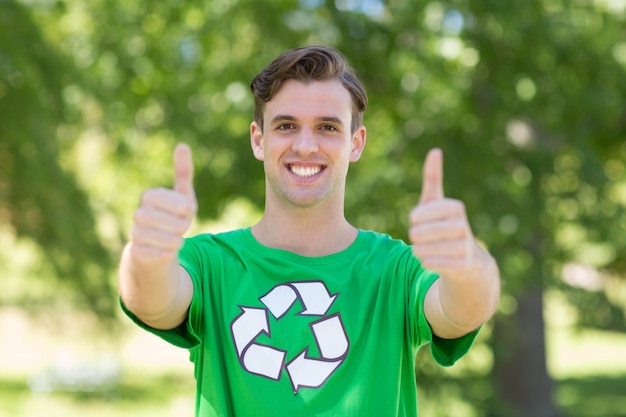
[[38, 197], [526, 99]]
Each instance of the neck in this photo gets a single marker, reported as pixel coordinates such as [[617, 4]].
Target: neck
[[308, 232]]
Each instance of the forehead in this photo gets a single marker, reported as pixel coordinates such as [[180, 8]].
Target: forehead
[[317, 98]]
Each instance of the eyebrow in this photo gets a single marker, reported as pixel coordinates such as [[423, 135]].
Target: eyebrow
[[282, 118], [289, 118]]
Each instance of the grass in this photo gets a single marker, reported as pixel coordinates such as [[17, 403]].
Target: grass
[[138, 393], [172, 395], [156, 379]]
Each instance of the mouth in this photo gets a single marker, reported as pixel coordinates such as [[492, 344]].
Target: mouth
[[305, 171]]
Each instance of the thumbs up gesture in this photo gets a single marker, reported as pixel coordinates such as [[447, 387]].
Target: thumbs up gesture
[[164, 214], [468, 293], [439, 230]]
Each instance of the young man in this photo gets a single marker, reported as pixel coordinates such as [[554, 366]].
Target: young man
[[303, 314]]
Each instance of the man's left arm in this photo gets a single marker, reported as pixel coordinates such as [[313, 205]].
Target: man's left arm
[[468, 291]]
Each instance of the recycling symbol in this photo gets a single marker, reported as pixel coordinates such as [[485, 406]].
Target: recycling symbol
[[268, 361]]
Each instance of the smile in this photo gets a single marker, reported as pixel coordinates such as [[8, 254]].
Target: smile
[[305, 172]]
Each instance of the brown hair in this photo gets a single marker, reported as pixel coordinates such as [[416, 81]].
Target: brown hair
[[307, 64]]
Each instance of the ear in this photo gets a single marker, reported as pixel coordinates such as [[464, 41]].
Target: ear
[[256, 140], [358, 143]]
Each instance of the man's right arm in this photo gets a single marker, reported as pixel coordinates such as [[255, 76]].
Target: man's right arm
[[152, 284]]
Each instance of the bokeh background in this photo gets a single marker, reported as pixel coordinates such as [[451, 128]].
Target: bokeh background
[[527, 98]]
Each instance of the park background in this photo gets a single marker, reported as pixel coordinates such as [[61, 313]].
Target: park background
[[527, 98]]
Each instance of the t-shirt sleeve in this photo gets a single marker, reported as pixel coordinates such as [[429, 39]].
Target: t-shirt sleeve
[[181, 336], [445, 351], [187, 335]]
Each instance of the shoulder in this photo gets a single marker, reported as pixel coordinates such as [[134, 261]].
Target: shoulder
[[377, 241], [215, 242], [386, 250], [232, 236]]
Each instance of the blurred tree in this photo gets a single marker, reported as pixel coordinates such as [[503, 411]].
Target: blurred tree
[[39, 197], [527, 101], [525, 98]]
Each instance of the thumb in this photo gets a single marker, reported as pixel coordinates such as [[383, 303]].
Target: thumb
[[183, 170], [432, 178]]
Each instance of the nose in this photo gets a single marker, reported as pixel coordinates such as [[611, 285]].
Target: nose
[[305, 142]]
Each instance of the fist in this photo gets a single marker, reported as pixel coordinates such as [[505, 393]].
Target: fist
[[439, 230], [165, 214]]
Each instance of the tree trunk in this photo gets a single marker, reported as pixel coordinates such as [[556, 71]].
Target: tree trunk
[[523, 386]]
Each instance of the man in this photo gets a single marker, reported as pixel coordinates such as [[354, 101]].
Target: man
[[303, 314]]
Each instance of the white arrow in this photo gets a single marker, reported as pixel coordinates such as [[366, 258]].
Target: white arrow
[[315, 297], [311, 373], [331, 337], [279, 300], [264, 360], [248, 325]]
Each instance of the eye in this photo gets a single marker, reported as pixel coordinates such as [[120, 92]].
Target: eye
[[329, 128], [285, 126]]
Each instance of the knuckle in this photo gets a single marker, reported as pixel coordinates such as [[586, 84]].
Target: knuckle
[[458, 206], [181, 227], [135, 233], [460, 227], [148, 195], [140, 215], [190, 207], [414, 214], [168, 241], [175, 243], [182, 206], [415, 234]]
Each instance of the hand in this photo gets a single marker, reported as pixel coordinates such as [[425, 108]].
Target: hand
[[164, 214], [439, 230]]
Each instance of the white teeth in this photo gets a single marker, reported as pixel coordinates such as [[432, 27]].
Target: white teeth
[[305, 171]]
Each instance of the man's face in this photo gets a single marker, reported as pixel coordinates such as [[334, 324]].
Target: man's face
[[306, 143]]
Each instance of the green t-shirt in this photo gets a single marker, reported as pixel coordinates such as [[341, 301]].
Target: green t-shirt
[[273, 333]]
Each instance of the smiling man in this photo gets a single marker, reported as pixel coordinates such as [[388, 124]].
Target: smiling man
[[306, 142], [304, 314]]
